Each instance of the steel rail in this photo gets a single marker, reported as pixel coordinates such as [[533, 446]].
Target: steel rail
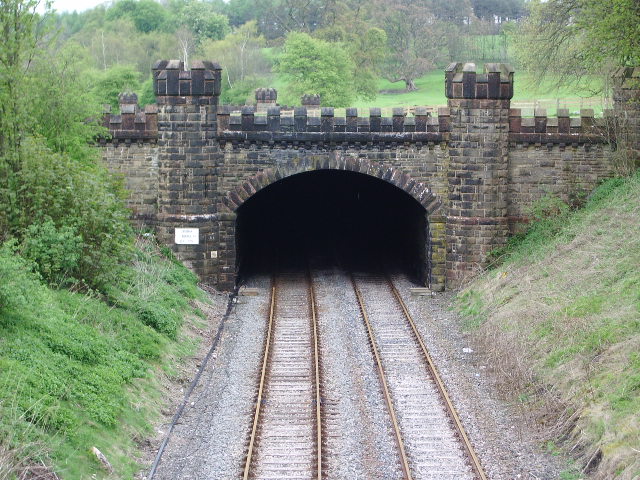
[[387, 396], [316, 360], [474, 460], [263, 376]]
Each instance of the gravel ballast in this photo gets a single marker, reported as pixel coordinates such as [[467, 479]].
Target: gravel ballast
[[210, 439]]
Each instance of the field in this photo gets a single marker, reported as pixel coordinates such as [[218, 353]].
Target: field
[[529, 94]]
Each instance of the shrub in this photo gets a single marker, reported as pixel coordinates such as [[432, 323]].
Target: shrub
[[16, 285], [55, 251], [59, 198]]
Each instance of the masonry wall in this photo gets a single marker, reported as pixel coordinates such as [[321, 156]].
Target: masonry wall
[[475, 167], [137, 163]]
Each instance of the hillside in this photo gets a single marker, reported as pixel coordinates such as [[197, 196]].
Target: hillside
[[560, 321], [84, 369]]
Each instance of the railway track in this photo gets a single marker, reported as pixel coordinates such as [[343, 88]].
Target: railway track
[[431, 440], [286, 437], [286, 434]]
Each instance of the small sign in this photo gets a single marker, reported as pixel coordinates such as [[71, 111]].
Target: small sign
[[214, 254], [187, 236]]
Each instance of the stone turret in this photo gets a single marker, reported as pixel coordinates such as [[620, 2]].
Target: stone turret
[[265, 98], [310, 100], [477, 219], [626, 98], [174, 85]]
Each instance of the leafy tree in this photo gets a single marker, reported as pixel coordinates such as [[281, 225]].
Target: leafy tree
[[21, 32], [366, 46], [201, 18], [147, 15], [53, 187], [110, 83], [499, 10], [314, 66], [241, 11], [62, 108], [571, 38], [416, 40], [276, 18], [240, 54]]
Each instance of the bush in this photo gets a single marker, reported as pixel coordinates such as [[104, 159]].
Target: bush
[[64, 200], [55, 251], [16, 287]]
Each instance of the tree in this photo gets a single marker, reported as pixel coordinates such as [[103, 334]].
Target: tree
[[239, 53], [146, 15], [366, 46], [314, 66], [572, 38], [53, 188], [416, 40], [21, 33], [201, 18], [499, 10]]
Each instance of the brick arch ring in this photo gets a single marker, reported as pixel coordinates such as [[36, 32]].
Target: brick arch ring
[[420, 192]]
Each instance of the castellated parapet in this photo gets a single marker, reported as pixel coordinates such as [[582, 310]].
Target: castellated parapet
[[475, 165]]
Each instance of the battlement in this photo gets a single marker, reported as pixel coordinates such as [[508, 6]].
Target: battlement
[[542, 129], [133, 124], [301, 126], [174, 85], [463, 82]]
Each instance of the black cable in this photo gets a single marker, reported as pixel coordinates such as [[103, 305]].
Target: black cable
[[176, 417]]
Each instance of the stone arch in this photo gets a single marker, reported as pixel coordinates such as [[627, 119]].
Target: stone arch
[[419, 191], [233, 199]]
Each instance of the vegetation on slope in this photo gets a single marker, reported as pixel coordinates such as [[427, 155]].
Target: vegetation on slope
[[89, 318], [79, 371], [560, 320]]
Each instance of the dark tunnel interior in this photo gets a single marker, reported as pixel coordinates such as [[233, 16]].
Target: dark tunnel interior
[[332, 218]]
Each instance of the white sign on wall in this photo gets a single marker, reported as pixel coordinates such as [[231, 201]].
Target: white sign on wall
[[187, 236]]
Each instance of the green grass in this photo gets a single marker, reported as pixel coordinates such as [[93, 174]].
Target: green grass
[[431, 93], [562, 305], [77, 370]]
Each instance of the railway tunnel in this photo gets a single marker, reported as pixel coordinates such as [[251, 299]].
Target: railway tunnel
[[329, 218]]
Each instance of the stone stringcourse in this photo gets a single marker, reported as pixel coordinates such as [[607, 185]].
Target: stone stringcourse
[[475, 166]]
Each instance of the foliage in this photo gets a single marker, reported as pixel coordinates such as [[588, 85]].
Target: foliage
[[80, 199], [110, 83], [366, 46], [66, 376], [62, 107], [56, 251], [560, 318], [240, 54], [571, 38], [242, 92], [15, 290], [501, 9], [415, 40], [200, 18], [317, 67], [147, 15]]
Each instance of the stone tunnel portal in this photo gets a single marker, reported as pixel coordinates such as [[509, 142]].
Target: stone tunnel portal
[[332, 217]]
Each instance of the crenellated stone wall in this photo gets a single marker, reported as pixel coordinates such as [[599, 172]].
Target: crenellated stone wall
[[474, 166]]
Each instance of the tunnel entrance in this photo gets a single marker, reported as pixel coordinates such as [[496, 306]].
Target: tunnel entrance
[[332, 217]]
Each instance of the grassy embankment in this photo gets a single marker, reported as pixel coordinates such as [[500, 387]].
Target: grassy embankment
[[560, 321], [80, 370]]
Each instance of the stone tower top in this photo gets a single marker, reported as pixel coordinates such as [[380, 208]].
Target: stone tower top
[[462, 81], [173, 84]]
